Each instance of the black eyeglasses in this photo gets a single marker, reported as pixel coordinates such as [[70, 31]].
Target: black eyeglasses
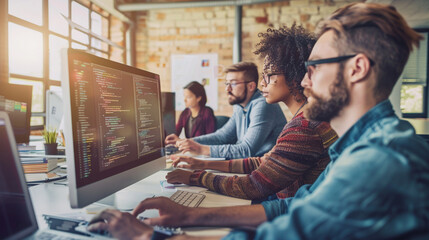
[[327, 60], [233, 84], [309, 65], [267, 76]]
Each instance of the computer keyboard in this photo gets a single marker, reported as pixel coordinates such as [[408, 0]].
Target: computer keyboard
[[188, 199]]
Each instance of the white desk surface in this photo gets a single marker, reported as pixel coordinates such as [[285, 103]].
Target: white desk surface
[[52, 199]]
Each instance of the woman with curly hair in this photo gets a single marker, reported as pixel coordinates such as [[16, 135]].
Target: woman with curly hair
[[301, 150]]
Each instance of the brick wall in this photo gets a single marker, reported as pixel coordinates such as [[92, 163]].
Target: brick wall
[[161, 33]]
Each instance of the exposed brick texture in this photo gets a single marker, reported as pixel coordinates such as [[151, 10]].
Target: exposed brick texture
[[160, 33]]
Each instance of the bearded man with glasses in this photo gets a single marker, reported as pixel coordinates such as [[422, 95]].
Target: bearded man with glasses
[[253, 128], [377, 183]]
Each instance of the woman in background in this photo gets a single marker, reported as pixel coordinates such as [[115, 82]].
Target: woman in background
[[197, 119]]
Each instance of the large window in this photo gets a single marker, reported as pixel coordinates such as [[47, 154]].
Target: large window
[[39, 29], [414, 90]]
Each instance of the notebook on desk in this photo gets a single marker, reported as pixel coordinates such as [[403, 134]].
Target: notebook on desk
[[16, 211]]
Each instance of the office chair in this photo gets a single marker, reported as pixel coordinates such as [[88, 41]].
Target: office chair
[[220, 121]]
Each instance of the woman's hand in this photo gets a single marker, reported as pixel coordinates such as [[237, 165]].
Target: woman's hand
[[188, 162]]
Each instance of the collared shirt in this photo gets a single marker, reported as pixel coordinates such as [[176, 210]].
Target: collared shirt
[[376, 187], [250, 132]]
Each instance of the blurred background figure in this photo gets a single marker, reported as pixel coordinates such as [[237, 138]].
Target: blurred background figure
[[197, 119]]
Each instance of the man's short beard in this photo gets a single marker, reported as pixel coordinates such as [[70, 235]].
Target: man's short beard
[[238, 100], [326, 109]]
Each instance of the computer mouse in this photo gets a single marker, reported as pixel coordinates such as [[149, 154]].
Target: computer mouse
[[170, 149], [97, 219]]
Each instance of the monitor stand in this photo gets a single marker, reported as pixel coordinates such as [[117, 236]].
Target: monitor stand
[[124, 200]]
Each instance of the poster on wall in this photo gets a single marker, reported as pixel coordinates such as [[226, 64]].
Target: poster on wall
[[202, 68]]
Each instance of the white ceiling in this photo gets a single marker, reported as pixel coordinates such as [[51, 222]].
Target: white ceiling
[[415, 12]]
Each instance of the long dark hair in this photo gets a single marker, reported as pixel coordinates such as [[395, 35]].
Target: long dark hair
[[199, 91]]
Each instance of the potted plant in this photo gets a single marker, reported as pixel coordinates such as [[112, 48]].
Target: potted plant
[[50, 137]]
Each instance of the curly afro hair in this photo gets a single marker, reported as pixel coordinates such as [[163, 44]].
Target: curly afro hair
[[286, 49]]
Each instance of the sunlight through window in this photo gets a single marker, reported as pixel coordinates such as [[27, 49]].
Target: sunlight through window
[[25, 51], [57, 23], [55, 46], [80, 14], [29, 10]]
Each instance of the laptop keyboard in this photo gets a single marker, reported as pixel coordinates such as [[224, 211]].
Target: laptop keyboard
[[188, 199], [184, 198], [53, 236]]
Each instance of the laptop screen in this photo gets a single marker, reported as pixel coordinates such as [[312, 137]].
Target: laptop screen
[[15, 218]]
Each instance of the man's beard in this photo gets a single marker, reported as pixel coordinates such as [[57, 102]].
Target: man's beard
[[326, 109], [237, 100]]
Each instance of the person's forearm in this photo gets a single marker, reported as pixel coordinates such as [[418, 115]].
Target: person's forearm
[[205, 150], [222, 166], [236, 216]]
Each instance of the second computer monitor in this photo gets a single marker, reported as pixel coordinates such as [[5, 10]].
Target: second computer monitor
[[113, 126], [168, 100], [16, 101]]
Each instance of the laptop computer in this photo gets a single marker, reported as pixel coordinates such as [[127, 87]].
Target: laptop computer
[[17, 217]]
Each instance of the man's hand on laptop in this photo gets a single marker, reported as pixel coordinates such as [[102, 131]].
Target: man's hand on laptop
[[171, 214], [121, 225], [189, 145], [179, 176], [171, 139], [188, 162]]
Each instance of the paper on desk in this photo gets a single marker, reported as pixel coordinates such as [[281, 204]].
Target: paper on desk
[[200, 157], [209, 158], [33, 177], [169, 187], [36, 177], [192, 189]]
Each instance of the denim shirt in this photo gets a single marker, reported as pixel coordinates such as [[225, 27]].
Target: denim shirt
[[250, 132], [376, 187]]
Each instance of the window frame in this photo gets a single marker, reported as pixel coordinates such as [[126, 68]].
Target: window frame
[[46, 32], [423, 114]]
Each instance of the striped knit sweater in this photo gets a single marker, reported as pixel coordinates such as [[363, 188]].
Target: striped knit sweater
[[299, 156]]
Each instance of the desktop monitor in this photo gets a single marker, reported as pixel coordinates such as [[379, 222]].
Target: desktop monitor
[[112, 125], [16, 101], [168, 100]]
